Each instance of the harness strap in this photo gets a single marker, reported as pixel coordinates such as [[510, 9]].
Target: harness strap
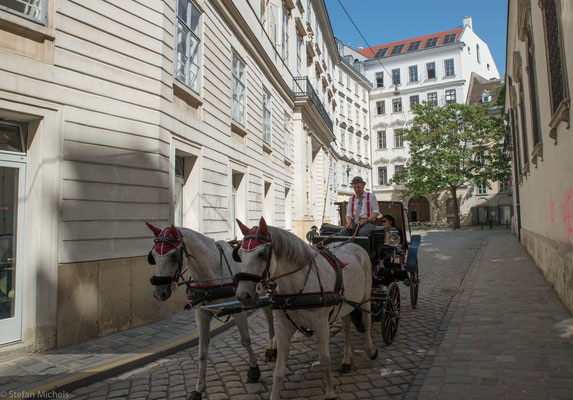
[[326, 253]]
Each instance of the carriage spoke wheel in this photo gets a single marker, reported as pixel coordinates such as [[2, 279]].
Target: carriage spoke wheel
[[391, 314], [414, 287]]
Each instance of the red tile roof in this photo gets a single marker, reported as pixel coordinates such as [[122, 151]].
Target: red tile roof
[[371, 51]]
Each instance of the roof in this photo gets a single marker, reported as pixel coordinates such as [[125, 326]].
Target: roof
[[479, 84], [394, 47]]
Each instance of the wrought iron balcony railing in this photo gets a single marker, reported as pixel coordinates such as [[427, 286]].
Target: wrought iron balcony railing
[[302, 87]]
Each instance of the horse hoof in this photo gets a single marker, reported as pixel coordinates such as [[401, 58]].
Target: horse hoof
[[253, 375], [374, 356], [194, 396], [270, 355], [345, 368]]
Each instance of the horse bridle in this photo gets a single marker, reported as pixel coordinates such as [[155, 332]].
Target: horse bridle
[[181, 248], [268, 252]]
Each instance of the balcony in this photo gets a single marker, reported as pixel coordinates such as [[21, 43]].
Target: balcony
[[303, 88]]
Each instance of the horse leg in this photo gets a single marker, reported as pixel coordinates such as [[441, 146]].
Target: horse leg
[[346, 363], [371, 350], [322, 334], [203, 321], [271, 351], [241, 320], [285, 331]]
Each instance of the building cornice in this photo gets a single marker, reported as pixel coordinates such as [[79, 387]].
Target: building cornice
[[415, 54]]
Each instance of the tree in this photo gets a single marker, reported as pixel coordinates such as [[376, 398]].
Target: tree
[[451, 146]]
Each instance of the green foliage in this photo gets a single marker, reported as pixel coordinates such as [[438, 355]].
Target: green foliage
[[453, 145]]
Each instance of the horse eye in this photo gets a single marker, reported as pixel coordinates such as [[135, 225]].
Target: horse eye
[[262, 254]]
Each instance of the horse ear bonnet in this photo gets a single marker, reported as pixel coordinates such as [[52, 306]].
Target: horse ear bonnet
[[150, 259], [236, 257]]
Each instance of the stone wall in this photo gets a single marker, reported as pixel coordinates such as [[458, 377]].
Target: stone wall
[[555, 260], [102, 297]]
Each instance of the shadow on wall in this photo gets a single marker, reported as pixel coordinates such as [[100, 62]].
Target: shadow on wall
[[106, 288]]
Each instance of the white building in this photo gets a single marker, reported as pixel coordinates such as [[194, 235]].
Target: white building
[[178, 111], [434, 68], [352, 124], [539, 80]]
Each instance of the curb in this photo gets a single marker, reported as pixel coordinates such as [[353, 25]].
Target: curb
[[118, 367]]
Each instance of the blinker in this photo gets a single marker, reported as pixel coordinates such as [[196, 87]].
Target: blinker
[[150, 259]]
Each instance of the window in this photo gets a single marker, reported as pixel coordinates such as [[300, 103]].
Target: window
[[284, 37], [188, 43], [364, 121], [179, 184], [342, 140], [356, 88], [382, 176], [449, 67], [398, 138], [299, 58], [431, 70], [397, 105], [502, 186], [308, 11], [340, 78], [397, 49], [348, 82], [350, 111], [478, 54], [552, 18], [481, 189], [395, 77], [431, 42], [531, 75], [342, 107], [379, 79], [358, 147], [266, 117], [398, 169], [12, 137], [414, 45], [350, 143], [451, 96], [286, 128], [414, 100], [357, 115], [30, 9], [363, 94], [381, 139], [433, 98], [485, 97], [381, 53], [451, 38], [413, 73], [237, 90], [381, 107]]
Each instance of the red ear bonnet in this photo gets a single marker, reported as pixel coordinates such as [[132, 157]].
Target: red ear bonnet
[[263, 228], [156, 231], [245, 229]]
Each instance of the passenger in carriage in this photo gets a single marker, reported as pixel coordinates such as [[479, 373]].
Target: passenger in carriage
[[361, 210], [389, 222]]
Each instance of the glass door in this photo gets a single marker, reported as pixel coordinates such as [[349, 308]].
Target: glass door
[[11, 219]]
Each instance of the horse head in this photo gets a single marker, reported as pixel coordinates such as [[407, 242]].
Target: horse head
[[258, 261], [167, 254]]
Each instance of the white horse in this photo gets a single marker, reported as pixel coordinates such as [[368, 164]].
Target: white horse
[[211, 268], [273, 255]]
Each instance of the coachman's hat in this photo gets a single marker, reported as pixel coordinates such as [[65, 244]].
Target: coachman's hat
[[357, 179]]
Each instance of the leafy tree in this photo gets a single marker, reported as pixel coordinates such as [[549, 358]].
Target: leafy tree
[[451, 146]]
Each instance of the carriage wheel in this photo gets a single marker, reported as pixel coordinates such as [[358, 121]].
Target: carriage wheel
[[391, 314], [414, 287]]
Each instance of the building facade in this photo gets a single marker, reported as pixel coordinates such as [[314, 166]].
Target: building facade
[[352, 122], [185, 112], [538, 81], [435, 68]]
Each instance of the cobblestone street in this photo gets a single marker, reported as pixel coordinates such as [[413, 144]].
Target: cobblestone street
[[399, 372]]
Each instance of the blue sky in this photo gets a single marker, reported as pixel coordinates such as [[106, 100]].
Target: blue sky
[[385, 21]]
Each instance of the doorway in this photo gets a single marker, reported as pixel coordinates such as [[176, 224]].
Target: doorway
[[419, 210]]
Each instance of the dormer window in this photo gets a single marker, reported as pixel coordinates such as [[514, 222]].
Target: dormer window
[[485, 97]]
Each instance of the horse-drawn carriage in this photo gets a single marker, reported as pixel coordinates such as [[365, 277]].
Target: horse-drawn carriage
[[394, 259]]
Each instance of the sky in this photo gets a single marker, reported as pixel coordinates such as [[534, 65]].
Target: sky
[[385, 21]]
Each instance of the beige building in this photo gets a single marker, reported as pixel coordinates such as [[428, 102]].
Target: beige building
[[538, 102], [186, 112], [352, 123]]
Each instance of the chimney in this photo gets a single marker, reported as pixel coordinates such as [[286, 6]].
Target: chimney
[[360, 47], [468, 22]]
